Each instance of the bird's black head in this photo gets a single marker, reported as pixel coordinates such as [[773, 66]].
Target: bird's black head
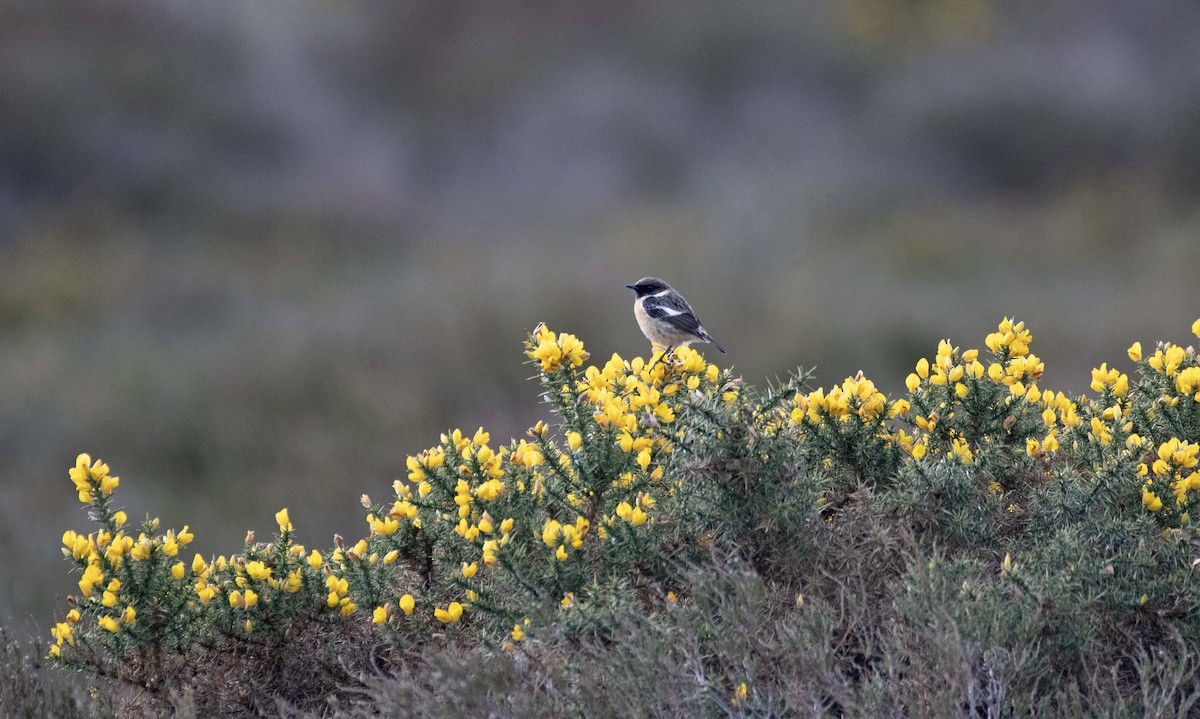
[[648, 286]]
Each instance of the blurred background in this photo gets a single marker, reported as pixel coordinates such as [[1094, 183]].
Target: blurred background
[[253, 254]]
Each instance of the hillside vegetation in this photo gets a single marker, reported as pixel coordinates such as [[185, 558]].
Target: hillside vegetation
[[674, 542]]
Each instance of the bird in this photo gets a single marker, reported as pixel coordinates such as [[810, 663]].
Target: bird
[[665, 317]]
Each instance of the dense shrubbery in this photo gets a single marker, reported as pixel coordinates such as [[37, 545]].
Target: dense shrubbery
[[678, 543]]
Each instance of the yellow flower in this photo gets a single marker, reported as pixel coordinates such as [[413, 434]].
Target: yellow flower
[[485, 524], [91, 577], [1151, 500], [129, 616], [450, 614], [381, 614], [1135, 351], [383, 527], [1050, 443], [348, 607], [1196, 328], [177, 570], [637, 517], [490, 548], [84, 473], [490, 490], [63, 632], [961, 450], [109, 624], [141, 549], [740, 694], [574, 440], [561, 553], [551, 532], [995, 372], [407, 603], [281, 518], [517, 633], [206, 594], [469, 570], [337, 585], [250, 598], [711, 373], [258, 570]]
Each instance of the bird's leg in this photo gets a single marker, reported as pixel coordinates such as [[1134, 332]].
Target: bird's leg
[[663, 356]]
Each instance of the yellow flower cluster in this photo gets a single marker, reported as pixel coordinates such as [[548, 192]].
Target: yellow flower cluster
[[855, 397], [1187, 383], [1059, 412], [635, 513], [64, 633], [1010, 339], [1105, 379], [450, 614], [1167, 359], [338, 597], [103, 554], [1173, 372], [554, 351], [465, 489], [559, 536], [92, 479], [740, 694], [951, 379], [634, 400], [1175, 465]]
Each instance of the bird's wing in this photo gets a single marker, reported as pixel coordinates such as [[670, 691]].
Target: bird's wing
[[674, 310]]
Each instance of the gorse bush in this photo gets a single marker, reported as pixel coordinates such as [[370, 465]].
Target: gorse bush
[[675, 542]]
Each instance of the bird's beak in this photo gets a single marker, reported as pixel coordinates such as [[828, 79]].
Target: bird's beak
[[632, 287]]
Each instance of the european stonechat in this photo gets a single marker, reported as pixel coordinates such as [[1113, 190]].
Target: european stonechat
[[665, 317]]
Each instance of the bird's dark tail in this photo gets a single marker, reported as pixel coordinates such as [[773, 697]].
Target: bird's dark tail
[[708, 338]]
